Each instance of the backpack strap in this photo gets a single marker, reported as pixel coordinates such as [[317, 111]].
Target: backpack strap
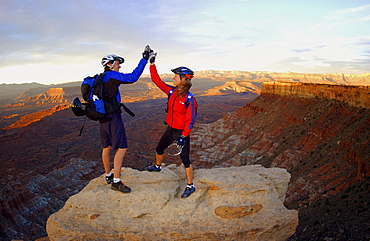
[[168, 98], [99, 80], [187, 102], [170, 93]]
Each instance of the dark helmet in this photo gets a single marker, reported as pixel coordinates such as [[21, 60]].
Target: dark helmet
[[77, 107], [184, 71], [111, 58]]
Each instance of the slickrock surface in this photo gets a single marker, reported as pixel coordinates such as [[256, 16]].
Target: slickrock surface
[[236, 203]]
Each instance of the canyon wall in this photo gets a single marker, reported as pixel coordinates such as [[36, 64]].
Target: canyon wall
[[323, 142], [263, 76], [319, 133], [354, 95]]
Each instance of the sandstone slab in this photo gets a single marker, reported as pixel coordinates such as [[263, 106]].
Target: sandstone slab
[[235, 203]]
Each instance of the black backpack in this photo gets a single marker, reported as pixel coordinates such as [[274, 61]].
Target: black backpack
[[92, 93], [95, 108]]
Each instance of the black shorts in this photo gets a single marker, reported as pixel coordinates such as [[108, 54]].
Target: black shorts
[[168, 137], [112, 132]]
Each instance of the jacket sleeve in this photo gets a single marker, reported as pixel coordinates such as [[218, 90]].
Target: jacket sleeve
[[190, 116], [157, 80], [130, 78]]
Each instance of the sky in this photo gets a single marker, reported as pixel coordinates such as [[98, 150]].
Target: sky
[[57, 41]]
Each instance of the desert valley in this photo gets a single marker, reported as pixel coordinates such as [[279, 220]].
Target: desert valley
[[316, 126]]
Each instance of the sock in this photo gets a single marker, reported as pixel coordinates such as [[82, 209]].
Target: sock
[[157, 166], [109, 174], [115, 180], [190, 185]]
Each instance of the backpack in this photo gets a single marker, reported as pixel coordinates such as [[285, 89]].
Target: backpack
[[92, 93]]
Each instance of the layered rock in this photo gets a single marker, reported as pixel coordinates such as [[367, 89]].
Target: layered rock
[[358, 96], [263, 76], [53, 95], [46, 146], [238, 203], [33, 117], [28, 198], [321, 141], [234, 87]]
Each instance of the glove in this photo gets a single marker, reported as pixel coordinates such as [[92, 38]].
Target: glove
[[152, 56], [181, 141], [147, 51]]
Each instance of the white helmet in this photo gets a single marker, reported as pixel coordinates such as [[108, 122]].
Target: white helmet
[[111, 58]]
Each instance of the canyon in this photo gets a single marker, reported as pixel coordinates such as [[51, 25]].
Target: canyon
[[318, 132]]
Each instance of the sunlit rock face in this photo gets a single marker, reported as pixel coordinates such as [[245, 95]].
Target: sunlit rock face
[[350, 94], [236, 203]]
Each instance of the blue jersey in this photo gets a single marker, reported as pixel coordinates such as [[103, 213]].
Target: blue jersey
[[112, 80]]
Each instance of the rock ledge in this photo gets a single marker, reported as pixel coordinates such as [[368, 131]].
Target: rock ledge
[[235, 203]]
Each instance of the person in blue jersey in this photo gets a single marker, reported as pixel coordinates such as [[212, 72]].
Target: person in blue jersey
[[112, 130]]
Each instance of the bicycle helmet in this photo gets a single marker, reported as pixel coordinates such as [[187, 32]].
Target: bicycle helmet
[[184, 71], [111, 58], [77, 107]]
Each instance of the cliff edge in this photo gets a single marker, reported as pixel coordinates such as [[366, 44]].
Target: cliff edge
[[354, 95], [235, 203]]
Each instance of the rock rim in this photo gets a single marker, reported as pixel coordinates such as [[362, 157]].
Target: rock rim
[[234, 203]]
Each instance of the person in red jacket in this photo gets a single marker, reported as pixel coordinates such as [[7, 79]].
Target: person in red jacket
[[180, 119]]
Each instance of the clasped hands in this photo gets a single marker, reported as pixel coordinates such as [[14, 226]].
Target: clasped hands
[[149, 54]]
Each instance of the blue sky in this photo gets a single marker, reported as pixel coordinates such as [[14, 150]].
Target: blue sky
[[60, 41]]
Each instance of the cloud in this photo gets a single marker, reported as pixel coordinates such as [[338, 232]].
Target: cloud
[[350, 13], [346, 18], [220, 35], [301, 50], [66, 31]]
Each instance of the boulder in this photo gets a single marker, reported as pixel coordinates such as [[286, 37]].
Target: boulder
[[234, 203]]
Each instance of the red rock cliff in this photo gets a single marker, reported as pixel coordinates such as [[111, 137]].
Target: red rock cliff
[[354, 95], [319, 133]]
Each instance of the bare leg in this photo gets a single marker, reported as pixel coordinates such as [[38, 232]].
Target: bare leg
[[189, 174], [159, 159], [106, 159], [118, 161]]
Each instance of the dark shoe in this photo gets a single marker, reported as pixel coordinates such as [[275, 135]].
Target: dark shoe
[[119, 186], [188, 191], [154, 168], [109, 179]]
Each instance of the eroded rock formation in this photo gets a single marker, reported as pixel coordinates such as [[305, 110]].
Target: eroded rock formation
[[354, 95], [314, 131], [236, 203]]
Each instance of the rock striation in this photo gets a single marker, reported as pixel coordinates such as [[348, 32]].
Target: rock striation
[[236, 203], [33, 117], [322, 142], [319, 133], [354, 95], [264, 76]]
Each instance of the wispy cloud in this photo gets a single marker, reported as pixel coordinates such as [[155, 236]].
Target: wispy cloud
[[354, 12], [246, 35]]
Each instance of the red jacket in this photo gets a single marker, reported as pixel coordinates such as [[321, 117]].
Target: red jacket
[[178, 115]]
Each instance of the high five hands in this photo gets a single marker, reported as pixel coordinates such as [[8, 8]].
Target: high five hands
[[149, 54]]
